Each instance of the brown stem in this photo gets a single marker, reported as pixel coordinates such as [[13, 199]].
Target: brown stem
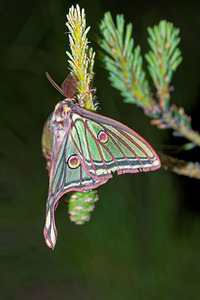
[[180, 167], [176, 119], [190, 134]]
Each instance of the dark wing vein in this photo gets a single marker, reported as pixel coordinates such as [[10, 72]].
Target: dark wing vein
[[96, 142], [88, 146], [82, 159], [81, 155], [136, 144], [125, 144], [62, 173], [110, 136], [99, 142]]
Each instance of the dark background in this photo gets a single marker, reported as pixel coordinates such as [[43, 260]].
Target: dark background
[[143, 238]]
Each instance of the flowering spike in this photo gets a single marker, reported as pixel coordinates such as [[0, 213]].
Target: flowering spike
[[81, 58]]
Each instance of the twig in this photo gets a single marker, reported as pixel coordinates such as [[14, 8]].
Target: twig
[[180, 167]]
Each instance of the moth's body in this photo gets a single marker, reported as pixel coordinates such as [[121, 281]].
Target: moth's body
[[86, 148]]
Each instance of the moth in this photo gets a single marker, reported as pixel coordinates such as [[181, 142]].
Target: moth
[[83, 149]]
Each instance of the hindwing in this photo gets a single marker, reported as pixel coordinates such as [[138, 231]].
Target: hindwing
[[66, 174]]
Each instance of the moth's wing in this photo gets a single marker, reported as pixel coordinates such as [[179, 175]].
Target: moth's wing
[[105, 146], [63, 179], [47, 139]]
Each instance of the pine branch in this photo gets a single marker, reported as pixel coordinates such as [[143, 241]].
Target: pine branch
[[125, 66], [124, 63], [176, 119], [163, 58], [180, 167]]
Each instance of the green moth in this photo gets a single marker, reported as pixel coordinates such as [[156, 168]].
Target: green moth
[[83, 149]]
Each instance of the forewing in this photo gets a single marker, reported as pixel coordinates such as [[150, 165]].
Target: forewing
[[105, 146]]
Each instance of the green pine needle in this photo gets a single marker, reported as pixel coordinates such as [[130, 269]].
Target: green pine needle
[[124, 63], [163, 58]]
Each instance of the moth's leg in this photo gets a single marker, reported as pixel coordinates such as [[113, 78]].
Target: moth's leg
[[84, 95]]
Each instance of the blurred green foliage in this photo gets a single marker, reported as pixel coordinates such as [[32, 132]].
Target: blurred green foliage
[[143, 239]]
